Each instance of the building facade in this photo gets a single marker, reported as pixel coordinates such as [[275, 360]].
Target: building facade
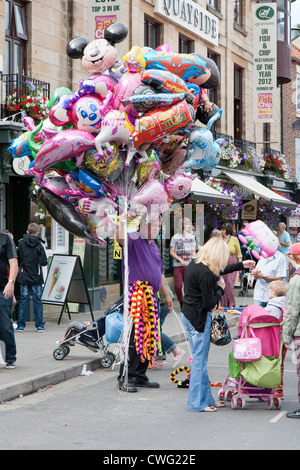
[[33, 44]]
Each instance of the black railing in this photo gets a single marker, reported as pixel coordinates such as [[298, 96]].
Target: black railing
[[20, 85]]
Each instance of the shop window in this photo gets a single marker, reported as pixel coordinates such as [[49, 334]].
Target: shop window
[[215, 4], [238, 12], [185, 45], [152, 33], [213, 93], [16, 37], [238, 103]]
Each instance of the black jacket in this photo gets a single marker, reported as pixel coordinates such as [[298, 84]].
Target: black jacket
[[32, 255], [201, 292]]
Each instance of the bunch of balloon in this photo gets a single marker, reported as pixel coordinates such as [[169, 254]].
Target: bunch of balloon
[[128, 131]]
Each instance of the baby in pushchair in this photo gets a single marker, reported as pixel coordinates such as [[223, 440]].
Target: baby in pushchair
[[255, 362], [90, 335]]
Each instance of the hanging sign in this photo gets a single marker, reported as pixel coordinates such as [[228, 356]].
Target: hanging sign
[[265, 61], [189, 15]]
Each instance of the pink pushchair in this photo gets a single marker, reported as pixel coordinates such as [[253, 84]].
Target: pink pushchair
[[255, 322]]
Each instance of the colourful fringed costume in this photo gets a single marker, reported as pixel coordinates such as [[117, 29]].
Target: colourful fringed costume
[[143, 309]]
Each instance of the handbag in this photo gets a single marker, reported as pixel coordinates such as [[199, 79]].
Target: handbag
[[247, 349], [219, 331], [114, 325]]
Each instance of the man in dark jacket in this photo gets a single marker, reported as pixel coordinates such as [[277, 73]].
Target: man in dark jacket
[[32, 256]]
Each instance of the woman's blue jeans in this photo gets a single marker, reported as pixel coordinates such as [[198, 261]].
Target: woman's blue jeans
[[37, 305], [7, 336], [199, 395]]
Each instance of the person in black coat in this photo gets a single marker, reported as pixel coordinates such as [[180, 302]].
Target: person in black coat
[[32, 256], [203, 289]]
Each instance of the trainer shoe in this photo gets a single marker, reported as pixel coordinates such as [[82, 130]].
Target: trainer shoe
[[20, 328], [10, 365]]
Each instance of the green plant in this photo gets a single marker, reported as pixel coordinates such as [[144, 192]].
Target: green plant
[[29, 100]]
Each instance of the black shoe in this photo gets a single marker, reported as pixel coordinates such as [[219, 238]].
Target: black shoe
[[294, 414], [146, 384], [127, 387]]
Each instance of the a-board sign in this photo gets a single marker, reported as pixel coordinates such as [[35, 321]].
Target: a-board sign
[[65, 283]]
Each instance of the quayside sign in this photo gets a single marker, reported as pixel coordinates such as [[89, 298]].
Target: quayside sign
[[189, 15]]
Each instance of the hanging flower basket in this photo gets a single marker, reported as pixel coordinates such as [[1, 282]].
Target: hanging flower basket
[[275, 164], [216, 213], [29, 100], [230, 155]]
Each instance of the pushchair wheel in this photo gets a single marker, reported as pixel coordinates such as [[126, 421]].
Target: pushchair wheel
[[107, 360], [274, 403], [60, 353], [237, 402]]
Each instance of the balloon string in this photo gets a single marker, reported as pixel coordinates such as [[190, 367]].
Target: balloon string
[[127, 323]]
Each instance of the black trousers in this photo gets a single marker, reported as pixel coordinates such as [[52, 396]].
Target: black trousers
[[136, 368]]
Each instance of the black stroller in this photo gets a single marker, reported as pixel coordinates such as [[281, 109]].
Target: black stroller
[[91, 336]]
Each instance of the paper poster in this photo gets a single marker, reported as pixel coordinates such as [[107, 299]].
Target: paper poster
[[265, 61]]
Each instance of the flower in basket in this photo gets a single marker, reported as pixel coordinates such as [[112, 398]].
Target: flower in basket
[[253, 160], [29, 100], [230, 155], [216, 213], [276, 163]]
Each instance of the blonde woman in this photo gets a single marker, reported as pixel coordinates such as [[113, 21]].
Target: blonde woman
[[203, 289]]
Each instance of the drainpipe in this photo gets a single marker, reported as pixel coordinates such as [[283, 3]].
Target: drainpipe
[[70, 11], [130, 23]]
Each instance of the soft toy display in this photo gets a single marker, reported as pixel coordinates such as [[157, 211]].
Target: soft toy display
[[112, 136], [260, 240]]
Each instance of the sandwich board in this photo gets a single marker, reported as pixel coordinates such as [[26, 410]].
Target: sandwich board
[[65, 283]]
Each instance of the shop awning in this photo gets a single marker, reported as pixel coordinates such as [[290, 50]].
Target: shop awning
[[254, 187], [203, 192]]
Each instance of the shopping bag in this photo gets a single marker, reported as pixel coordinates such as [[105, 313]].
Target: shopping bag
[[265, 373], [219, 331], [114, 325], [234, 367], [247, 349]]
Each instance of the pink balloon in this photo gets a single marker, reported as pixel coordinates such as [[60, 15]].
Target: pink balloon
[[63, 146], [179, 185], [152, 193], [124, 89], [264, 236]]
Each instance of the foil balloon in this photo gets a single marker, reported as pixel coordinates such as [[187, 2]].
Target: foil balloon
[[215, 155], [67, 216], [96, 210], [160, 122], [109, 167], [135, 63], [179, 185], [143, 170], [252, 245], [55, 182], [183, 65], [88, 182], [107, 215], [166, 82], [117, 126], [86, 113], [263, 236], [19, 146], [62, 146], [202, 143], [152, 193]]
